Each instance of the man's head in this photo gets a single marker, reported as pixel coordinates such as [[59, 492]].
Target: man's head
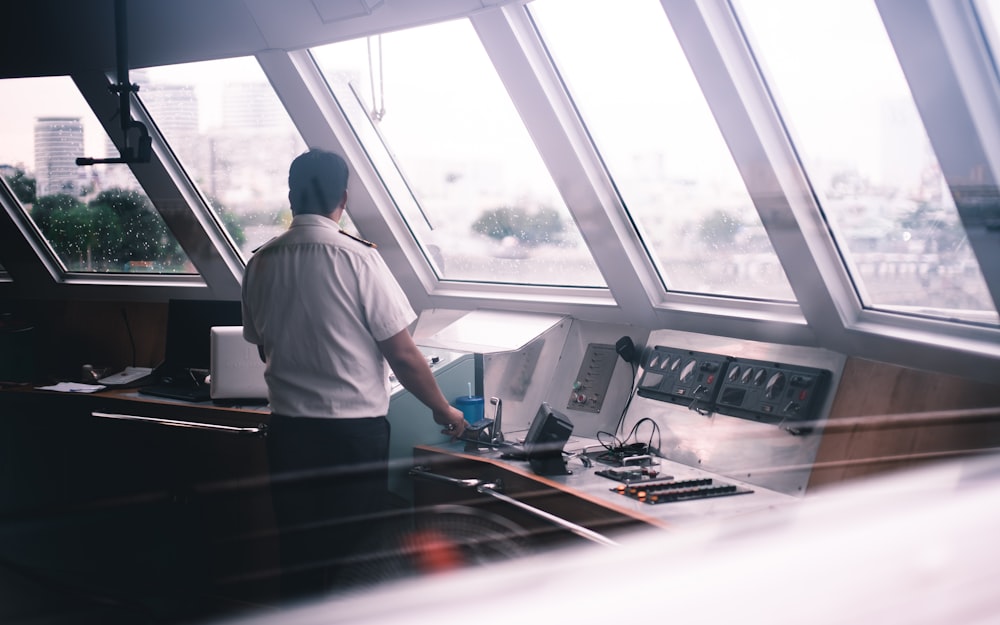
[[317, 183]]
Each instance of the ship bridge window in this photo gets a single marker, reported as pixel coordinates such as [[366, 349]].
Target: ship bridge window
[[440, 129], [650, 122], [847, 106], [988, 13], [94, 219], [232, 136]]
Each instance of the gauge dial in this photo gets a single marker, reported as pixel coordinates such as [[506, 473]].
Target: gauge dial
[[688, 370], [775, 384]]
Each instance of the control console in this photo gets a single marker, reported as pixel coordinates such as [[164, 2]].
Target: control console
[[770, 392], [682, 376]]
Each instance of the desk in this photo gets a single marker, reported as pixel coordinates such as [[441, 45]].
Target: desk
[[582, 497], [136, 508]]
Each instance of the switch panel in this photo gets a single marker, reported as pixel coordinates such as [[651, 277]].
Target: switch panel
[[772, 392], [592, 381], [682, 377]]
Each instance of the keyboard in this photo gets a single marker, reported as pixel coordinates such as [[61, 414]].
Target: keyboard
[[186, 392]]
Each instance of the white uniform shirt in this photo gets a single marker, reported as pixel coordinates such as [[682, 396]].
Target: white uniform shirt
[[317, 300]]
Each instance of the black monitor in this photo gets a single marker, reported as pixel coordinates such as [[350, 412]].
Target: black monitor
[[543, 445], [189, 331]]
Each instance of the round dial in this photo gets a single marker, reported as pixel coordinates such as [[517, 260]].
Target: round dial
[[758, 378], [688, 370], [775, 384]]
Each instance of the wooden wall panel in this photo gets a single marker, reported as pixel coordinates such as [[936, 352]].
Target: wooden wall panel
[[887, 418], [69, 334]]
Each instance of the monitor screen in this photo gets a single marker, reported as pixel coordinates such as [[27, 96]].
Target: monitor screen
[[189, 331], [543, 445]]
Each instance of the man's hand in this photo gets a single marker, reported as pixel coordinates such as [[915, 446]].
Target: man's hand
[[453, 422]]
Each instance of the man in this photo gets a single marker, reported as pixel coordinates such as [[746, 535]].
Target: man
[[327, 315]]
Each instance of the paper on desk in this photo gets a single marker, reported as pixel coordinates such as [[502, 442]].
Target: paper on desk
[[72, 387]]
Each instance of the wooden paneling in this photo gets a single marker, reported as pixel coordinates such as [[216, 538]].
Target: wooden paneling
[[887, 418], [69, 334]]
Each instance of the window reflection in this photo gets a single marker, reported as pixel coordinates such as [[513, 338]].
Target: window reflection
[[849, 110], [649, 119], [444, 136], [95, 219], [232, 136]]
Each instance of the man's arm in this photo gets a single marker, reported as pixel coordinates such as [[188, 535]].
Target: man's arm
[[413, 372]]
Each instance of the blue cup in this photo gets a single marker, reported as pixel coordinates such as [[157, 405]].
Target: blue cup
[[471, 407]]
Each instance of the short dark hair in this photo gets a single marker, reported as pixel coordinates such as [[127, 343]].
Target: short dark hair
[[317, 180]]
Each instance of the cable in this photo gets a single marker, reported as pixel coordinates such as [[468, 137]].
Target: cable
[[128, 328]]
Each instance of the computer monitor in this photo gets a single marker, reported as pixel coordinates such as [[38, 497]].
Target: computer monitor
[[189, 328], [547, 435]]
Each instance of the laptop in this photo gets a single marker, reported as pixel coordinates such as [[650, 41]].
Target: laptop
[[237, 372], [187, 358]]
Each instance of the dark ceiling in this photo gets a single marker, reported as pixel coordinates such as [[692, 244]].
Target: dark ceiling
[[53, 37]]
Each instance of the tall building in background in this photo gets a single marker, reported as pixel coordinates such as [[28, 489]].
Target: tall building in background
[[251, 150], [251, 106], [58, 143]]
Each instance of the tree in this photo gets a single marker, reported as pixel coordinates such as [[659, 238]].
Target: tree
[[541, 227], [23, 186], [84, 237], [719, 228], [144, 235]]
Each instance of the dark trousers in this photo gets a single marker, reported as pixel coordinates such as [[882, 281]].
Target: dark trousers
[[328, 482]]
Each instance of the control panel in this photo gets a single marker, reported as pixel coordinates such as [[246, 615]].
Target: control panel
[[772, 392], [591, 384], [769, 392], [682, 376]]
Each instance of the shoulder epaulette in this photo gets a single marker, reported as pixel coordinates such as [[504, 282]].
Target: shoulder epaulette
[[256, 249], [358, 239]]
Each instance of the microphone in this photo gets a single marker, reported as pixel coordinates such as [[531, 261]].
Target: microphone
[[626, 349]]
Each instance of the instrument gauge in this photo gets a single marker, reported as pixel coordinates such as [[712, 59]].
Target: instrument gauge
[[775, 384], [688, 370], [758, 378]]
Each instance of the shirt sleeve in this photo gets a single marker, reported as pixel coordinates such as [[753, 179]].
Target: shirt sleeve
[[249, 329], [387, 311]]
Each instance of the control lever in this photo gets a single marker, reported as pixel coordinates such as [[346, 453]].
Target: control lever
[[496, 429]]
